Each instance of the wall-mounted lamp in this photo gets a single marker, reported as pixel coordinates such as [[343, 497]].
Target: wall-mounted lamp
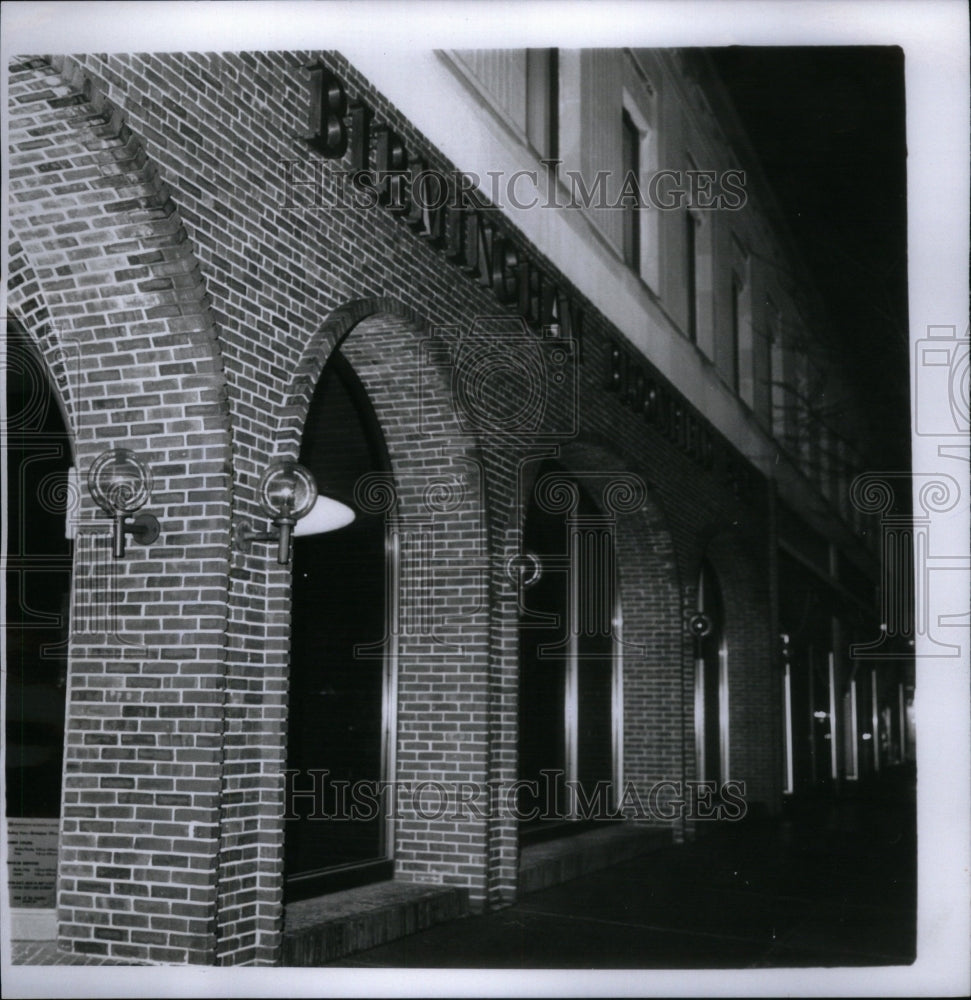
[[120, 483], [699, 625], [288, 494]]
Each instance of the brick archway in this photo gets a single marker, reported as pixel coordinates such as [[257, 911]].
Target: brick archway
[[434, 501], [107, 285], [754, 686], [652, 633]]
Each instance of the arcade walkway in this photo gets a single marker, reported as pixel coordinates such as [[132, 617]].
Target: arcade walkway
[[834, 884]]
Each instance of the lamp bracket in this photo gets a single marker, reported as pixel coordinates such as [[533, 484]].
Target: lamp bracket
[[144, 529], [245, 536]]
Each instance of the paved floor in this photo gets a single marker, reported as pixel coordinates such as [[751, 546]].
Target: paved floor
[[834, 885], [47, 953]]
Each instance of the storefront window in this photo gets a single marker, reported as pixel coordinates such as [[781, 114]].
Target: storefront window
[[711, 682], [568, 711], [342, 660]]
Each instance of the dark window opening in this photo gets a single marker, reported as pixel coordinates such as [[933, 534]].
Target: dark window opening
[[711, 681], [567, 711], [735, 334], [340, 718], [36, 465], [691, 274], [630, 143]]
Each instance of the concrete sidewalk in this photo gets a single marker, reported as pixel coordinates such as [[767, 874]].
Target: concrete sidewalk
[[833, 884]]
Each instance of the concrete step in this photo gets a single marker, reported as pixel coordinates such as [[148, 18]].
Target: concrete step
[[323, 929], [553, 861]]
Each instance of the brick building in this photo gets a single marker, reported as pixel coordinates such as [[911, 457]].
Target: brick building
[[583, 439]]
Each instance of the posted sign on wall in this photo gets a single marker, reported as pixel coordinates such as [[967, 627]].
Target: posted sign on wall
[[32, 862]]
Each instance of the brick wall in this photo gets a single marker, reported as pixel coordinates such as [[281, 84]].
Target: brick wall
[[150, 202]]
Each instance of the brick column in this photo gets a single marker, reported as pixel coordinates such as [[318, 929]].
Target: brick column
[[105, 246]]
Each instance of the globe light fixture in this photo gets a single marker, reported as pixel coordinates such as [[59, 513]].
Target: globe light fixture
[[288, 494], [120, 483], [699, 625]]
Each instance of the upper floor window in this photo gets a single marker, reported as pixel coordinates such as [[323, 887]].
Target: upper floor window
[[639, 137], [631, 180], [542, 101], [777, 399], [691, 274], [735, 330], [825, 437], [799, 411], [842, 477], [741, 362], [522, 87]]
